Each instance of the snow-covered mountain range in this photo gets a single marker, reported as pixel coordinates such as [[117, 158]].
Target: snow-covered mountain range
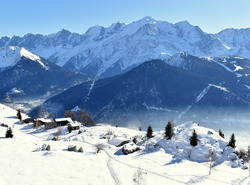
[[24, 75], [120, 47], [156, 87]]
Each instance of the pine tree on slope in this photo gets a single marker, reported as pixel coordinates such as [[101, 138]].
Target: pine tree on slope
[[232, 141], [221, 134], [9, 133], [149, 132], [19, 116], [194, 139], [169, 130]]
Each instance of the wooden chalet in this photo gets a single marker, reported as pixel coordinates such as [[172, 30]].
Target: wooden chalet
[[50, 125], [119, 141], [42, 121], [28, 120], [75, 125], [63, 121]]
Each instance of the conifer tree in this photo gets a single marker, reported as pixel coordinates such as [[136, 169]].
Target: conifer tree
[[221, 134], [149, 132], [169, 130], [194, 139], [19, 116], [9, 133], [232, 141]]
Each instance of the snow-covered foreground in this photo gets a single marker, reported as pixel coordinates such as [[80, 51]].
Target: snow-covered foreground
[[158, 162]]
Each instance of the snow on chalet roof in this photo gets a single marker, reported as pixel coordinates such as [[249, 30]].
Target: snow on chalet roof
[[75, 124], [117, 140], [63, 119], [44, 120]]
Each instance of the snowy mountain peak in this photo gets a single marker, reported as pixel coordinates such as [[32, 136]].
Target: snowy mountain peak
[[116, 26], [148, 19], [95, 31], [145, 20], [116, 48], [9, 56], [25, 53], [64, 32], [183, 24]]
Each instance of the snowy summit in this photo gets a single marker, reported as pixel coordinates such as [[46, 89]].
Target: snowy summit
[[9, 56]]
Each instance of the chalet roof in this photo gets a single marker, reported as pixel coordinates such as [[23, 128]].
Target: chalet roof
[[44, 120], [116, 141], [28, 120], [63, 119], [75, 123]]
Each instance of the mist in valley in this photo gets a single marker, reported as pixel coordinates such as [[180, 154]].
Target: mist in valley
[[229, 120]]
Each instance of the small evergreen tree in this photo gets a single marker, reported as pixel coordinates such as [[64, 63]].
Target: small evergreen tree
[[169, 130], [221, 134], [18, 115], [232, 141], [194, 139], [149, 132], [9, 133]]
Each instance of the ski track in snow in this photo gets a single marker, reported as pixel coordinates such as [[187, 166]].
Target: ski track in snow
[[198, 98], [158, 108], [202, 94], [111, 171], [132, 166], [90, 89]]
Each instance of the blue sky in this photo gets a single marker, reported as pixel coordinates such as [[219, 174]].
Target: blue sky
[[18, 17]]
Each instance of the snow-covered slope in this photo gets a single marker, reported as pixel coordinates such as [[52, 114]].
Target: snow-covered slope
[[26, 76], [237, 40], [115, 49], [159, 161], [9, 56]]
